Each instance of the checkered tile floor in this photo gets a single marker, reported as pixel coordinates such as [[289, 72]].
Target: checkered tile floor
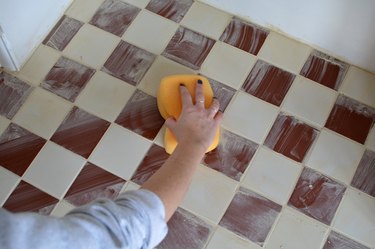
[[296, 164]]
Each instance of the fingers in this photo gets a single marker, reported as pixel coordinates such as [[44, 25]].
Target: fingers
[[199, 95], [185, 96], [219, 117], [214, 108], [170, 123]]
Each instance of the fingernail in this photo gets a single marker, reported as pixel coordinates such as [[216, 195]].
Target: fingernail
[[182, 84], [200, 82], [214, 98]]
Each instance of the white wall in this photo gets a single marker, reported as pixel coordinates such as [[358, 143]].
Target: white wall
[[343, 28]]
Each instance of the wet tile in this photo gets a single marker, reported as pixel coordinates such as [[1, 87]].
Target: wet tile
[[83, 10], [80, 132], [317, 196], [245, 36], [141, 115], [114, 16], [18, 148], [171, 9], [232, 156], [67, 78], [186, 231], [223, 239], [268, 82], [188, 48], [61, 209], [92, 183], [290, 137], [324, 69], [128, 63], [62, 33], [13, 92], [339, 241], [8, 181], [27, 198], [250, 216], [223, 93], [365, 174], [351, 119]]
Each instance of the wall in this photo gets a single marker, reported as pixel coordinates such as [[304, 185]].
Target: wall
[[343, 28]]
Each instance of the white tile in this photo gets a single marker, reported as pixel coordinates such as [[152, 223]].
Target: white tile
[[4, 122], [285, 53], [250, 117], [120, 151], [295, 231], [209, 194], [206, 20], [335, 156], [309, 101], [159, 139], [138, 3], [370, 142], [8, 181], [42, 113], [83, 10], [223, 239], [356, 217], [62, 208], [359, 85], [228, 64], [160, 68], [105, 96], [150, 32], [91, 46], [54, 169], [129, 186], [272, 175]]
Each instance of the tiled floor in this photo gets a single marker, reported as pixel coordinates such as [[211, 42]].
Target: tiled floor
[[295, 167]]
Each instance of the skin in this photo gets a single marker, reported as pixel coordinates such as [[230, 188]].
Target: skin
[[195, 131]]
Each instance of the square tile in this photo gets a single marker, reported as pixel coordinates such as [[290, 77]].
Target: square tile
[[310, 101], [317, 196], [249, 117], [42, 113], [67, 78], [285, 53], [250, 216], [171, 9], [351, 119], [120, 151], [18, 148], [114, 16], [188, 48], [62, 33], [150, 32], [4, 122], [232, 156], [139, 3], [91, 46], [272, 175], [80, 132], [83, 10], [8, 181], [141, 115], [222, 92], [245, 36], [228, 65], [268, 82], [337, 241], [365, 174], [128, 63], [105, 96], [370, 142], [290, 137], [324, 69], [61, 209], [335, 156], [13, 93], [206, 20], [54, 170], [223, 239]]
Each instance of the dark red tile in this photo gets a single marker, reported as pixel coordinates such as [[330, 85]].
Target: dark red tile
[[27, 198], [351, 119], [222, 92], [62, 33], [245, 36], [325, 70], [13, 92], [114, 16], [67, 78], [364, 178], [141, 115], [250, 216], [317, 196], [339, 241], [188, 48], [171, 9], [18, 148], [128, 63], [80, 132], [268, 82], [232, 156], [290, 137], [93, 182], [185, 231]]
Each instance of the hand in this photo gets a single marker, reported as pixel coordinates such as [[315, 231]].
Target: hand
[[196, 125]]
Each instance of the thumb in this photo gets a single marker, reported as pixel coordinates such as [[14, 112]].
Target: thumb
[[170, 123]]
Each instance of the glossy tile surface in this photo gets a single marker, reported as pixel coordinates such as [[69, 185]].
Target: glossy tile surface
[[365, 174], [171, 9]]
